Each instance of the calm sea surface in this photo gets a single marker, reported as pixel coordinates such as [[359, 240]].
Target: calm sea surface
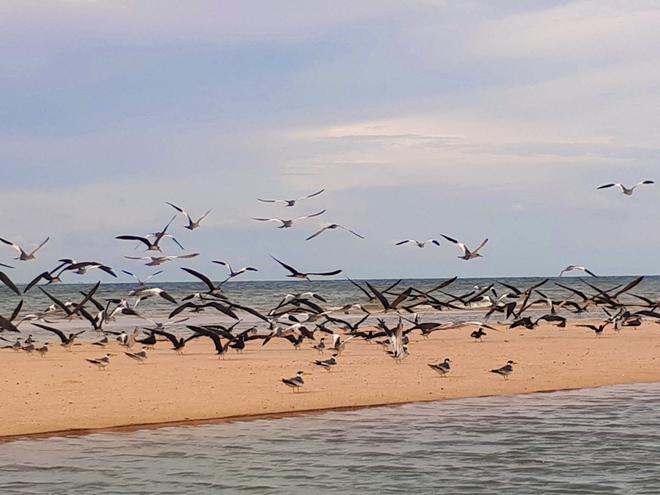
[[598, 441]]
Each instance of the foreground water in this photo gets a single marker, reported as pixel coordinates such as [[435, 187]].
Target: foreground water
[[594, 441]]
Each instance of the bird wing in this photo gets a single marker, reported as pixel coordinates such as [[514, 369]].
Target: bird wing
[[605, 186], [143, 240], [204, 216], [7, 281], [317, 233], [200, 276], [312, 195], [325, 274], [311, 215], [40, 246], [352, 231], [483, 243], [184, 256], [9, 243], [56, 331], [172, 338], [167, 297], [285, 266], [400, 243], [178, 208]]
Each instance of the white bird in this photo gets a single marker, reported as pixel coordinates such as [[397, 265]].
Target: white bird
[[333, 226], [584, 269], [626, 190], [290, 202], [22, 254], [236, 273], [147, 292], [192, 224], [467, 254], [159, 260], [419, 244], [286, 224]]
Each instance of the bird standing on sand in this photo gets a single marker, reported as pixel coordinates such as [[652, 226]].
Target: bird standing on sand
[[294, 383], [628, 191], [100, 363], [442, 368], [505, 370], [477, 334]]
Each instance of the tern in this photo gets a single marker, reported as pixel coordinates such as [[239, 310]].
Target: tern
[[151, 245], [296, 382], [327, 364], [192, 224], [22, 254], [290, 202], [141, 282], [628, 191], [140, 357], [159, 260], [236, 273], [419, 244], [304, 275], [442, 368], [467, 254], [333, 226], [287, 224], [584, 269], [505, 370], [100, 363]]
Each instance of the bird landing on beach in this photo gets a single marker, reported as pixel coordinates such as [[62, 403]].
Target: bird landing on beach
[[505, 370]]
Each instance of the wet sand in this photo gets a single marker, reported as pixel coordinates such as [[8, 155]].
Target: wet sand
[[61, 392]]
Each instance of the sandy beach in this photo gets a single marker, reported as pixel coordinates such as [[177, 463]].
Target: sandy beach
[[61, 392]]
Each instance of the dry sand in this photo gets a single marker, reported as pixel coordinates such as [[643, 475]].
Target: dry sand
[[62, 392]]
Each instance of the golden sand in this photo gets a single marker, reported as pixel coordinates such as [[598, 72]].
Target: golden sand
[[62, 392]]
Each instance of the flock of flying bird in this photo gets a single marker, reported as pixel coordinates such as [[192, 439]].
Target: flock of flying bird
[[388, 315]]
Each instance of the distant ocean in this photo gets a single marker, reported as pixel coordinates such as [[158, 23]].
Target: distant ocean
[[596, 441]]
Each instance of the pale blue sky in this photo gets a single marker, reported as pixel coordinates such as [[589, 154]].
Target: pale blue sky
[[471, 118]]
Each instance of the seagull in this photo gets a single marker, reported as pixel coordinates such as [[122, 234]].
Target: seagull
[[442, 368], [290, 202], [419, 244], [236, 273], [101, 363], [304, 276], [333, 226], [159, 260], [22, 254], [151, 245], [287, 224], [192, 224], [505, 370], [584, 269], [467, 254], [296, 382], [626, 190], [140, 357]]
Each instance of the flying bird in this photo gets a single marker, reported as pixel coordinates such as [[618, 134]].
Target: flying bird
[[419, 244], [626, 190], [290, 202], [192, 224], [151, 245], [22, 254], [236, 273], [467, 254], [304, 275], [584, 269], [333, 226], [287, 224], [159, 260]]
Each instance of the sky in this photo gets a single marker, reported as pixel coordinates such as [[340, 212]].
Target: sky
[[473, 119]]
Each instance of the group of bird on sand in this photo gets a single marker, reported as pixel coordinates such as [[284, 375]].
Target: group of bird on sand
[[385, 315]]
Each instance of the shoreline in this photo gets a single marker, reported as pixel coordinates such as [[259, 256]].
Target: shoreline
[[61, 395]]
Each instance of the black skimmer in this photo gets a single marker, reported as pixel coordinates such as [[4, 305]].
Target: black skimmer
[[294, 383], [67, 340], [505, 370], [101, 363], [442, 368], [304, 275], [327, 364]]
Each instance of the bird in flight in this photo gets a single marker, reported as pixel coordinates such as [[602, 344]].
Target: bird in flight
[[467, 254], [419, 244], [584, 269], [287, 224], [626, 190], [304, 275], [290, 202], [192, 224], [22, 254], [333, 226], [159, 260]]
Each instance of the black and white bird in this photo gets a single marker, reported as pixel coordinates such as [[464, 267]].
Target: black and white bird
[[628, 191], [66, 340], [147, 292], [140, 356], [159, 260], [101, 363], [192, 224], [294, 383], [151, 245], [141, 282], [467, 253], [290, 202], [333, 226], [234, 273], [584, 269], [304, 275], [419, 244], [327, 364], [22, 254], [442, 368], [505, 370], [287, 224]]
